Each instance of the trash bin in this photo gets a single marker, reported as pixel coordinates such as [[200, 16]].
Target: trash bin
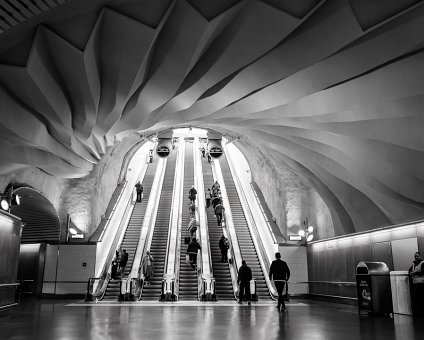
[[373, 288], [401, 295]]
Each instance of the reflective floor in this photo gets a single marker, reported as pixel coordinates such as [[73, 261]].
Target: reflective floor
[[304, 319]]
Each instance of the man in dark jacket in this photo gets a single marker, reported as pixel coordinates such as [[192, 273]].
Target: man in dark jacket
[[192, 194], [139, 189], [123, 262], [280, 272], [192, 249], [224, 245], [243, 279]]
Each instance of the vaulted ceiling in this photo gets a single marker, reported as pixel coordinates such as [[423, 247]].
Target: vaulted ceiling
[[333, 88]]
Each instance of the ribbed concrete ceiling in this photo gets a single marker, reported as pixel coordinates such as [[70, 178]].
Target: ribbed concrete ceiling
[[333, 88]]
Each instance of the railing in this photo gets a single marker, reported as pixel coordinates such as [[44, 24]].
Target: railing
[[231, 256], [112, 212], [256, 237]]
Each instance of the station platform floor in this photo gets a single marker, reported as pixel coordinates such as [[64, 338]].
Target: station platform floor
[[304, 319]]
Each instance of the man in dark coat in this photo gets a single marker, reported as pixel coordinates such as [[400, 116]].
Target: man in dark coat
[[224, 245], [243, 279], [192, 194], [192, 249], [123, 262], [139, 189], [280, 272]]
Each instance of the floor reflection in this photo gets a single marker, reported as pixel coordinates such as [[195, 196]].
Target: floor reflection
[[42, 319]]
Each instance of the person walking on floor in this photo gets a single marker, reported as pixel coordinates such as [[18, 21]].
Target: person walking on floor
[[219, 208], [243, 279], [192, 249], [192, 194], [139, 189], [280, 273], [148, 268], [224, 245], [416, 274]]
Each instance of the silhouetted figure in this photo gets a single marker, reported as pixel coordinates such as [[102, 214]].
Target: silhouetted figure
[[243, 279], [280, 272]]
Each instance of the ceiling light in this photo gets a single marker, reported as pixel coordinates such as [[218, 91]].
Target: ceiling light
[[73, 231], [310, 237], [4, 204], [301, 233]]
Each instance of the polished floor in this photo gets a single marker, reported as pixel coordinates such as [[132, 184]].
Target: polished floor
[[304, 319]]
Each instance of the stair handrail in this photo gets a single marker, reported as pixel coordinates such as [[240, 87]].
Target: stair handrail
[[172, 265], [257, 241], [206, 257], [231, 257], [235, 263]]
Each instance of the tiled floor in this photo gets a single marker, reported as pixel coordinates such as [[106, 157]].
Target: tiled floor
[[304, 319]]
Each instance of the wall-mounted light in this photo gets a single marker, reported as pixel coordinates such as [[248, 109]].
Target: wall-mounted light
[[8, 199], [307, 232]]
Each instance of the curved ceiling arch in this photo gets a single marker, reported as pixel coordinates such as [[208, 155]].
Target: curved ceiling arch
[[342, 106], [40, 218]]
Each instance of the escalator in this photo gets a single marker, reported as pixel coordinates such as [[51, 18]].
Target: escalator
[[160, 232], [221, 271], [188, 277], [132, 234], [247, 248]]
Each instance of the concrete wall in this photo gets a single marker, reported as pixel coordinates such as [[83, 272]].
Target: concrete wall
[[290, 197]]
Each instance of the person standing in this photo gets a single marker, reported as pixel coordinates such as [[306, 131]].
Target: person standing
[[243, 279], [416, 274], [209, 158], [208, 197], [219, 208], [139, 189], [203, 151], [192, 227], [123, 262], [148, 269], [224, 245], [192, 249], [192, 194], [280, 273]]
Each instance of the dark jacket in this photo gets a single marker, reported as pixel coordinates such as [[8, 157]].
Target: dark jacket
[[279, 270], [192, 193], [223, 243], [124, 259], [219, 208], [244, 274], [139, 187], [193, 247]]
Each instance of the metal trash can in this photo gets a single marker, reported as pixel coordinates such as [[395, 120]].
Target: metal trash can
[[373, 288], [401, 295]]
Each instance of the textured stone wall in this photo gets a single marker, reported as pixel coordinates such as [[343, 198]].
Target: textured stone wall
[[84, 199], [48, 185], [290, 198]]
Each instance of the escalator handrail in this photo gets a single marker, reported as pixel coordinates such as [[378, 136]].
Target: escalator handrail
[[262, 255], [231, 259]]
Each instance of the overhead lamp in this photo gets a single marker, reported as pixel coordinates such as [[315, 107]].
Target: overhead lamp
[[301, 233], [310, 238], [311, 229], [73, 231], [307, 231]]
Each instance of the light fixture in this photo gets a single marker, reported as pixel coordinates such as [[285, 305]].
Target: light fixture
[[8, 199], [307, 232], [73, 231], [5, 204]]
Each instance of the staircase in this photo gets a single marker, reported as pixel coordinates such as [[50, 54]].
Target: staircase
[[221, 271], [132, 234], [247, 248], [160, 232], [188, 277]]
